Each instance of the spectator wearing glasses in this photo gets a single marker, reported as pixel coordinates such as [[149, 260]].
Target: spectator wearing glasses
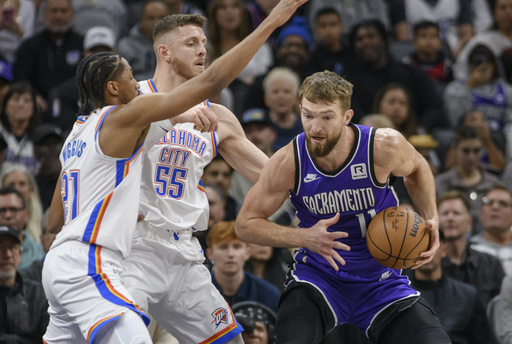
[[496, 219], [23, 305], [14, 213], [467, 175]]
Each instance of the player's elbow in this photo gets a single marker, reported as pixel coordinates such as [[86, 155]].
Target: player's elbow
[[241, 227]]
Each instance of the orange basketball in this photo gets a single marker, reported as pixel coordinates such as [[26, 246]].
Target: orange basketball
[[396, 236]]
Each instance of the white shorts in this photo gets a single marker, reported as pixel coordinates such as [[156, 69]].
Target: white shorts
[[165, 275], [84, 290]]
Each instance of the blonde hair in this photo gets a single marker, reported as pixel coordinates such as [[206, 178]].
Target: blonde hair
[[281, 73], [33, 203], [328, 87]]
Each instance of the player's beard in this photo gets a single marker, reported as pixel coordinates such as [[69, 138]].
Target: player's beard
[[320, 150], [183, 69]]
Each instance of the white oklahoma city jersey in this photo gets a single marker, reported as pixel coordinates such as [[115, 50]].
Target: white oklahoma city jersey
[[172, 194], [99, 193]]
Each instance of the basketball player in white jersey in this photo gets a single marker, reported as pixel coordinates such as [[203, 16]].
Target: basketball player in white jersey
[[164, 271], [96, 198]]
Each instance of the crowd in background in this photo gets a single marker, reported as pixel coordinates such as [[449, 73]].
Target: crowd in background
[[438, 71]]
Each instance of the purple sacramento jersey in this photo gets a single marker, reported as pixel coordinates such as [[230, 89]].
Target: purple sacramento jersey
[[362, 287]]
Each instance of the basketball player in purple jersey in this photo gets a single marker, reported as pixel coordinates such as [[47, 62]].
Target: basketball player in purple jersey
[[337, 175]]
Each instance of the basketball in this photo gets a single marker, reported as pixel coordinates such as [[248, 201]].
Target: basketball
[[396, 236]]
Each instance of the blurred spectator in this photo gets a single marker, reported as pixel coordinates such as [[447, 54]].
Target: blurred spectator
[[259, 10], [5, 78], [269, 263], [63, 99], [17, 22], [455, 18], [257, 320], [291, 51], [374, 68], [259, 130], [330, 53], [457, 304], [229, 254], [34, 271], [111, 13], [227, 26], [498, 38], [493, 155], [218, 172], [48, 140], [137, 46], [429, 54], [14, 213], [496, 218], [19, 117], [395, 102], [426, 146], [281, 87], [466, 175], [462, 262], [183, 7], [18, 177], [50, 57], [351, 11], [377, 120], [23, 306], [483, 90], [503, 312]]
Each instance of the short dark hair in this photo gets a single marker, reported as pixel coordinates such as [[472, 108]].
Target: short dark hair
[[370, 24], [425, 24], [327, 10], [465, 132], [454, 194]]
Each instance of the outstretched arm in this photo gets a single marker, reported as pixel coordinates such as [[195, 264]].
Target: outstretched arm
[[393, 154], [263, 200]]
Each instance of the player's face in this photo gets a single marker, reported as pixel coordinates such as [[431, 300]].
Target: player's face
[[395, 105], [322, 123], [454, 218], [188, 51], [128, 87], [229, 256], [10, 258], [258, 336], [281, 96], [468, 153], [496, 212]]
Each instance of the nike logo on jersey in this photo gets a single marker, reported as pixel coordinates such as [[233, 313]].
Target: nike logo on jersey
[[385, 275], [310, 178], [163, 129]]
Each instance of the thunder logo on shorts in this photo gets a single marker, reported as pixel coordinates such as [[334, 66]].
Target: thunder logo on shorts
[[220, 316]]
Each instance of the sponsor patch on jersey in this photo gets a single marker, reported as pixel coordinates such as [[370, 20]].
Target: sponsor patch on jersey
[[358, 171], [220, 316]]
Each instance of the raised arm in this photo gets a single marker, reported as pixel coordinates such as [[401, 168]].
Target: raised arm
[[235, 148], [263, 200], [393, 154]]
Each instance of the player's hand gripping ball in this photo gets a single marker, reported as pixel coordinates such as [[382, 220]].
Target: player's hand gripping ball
[[396, 236]]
